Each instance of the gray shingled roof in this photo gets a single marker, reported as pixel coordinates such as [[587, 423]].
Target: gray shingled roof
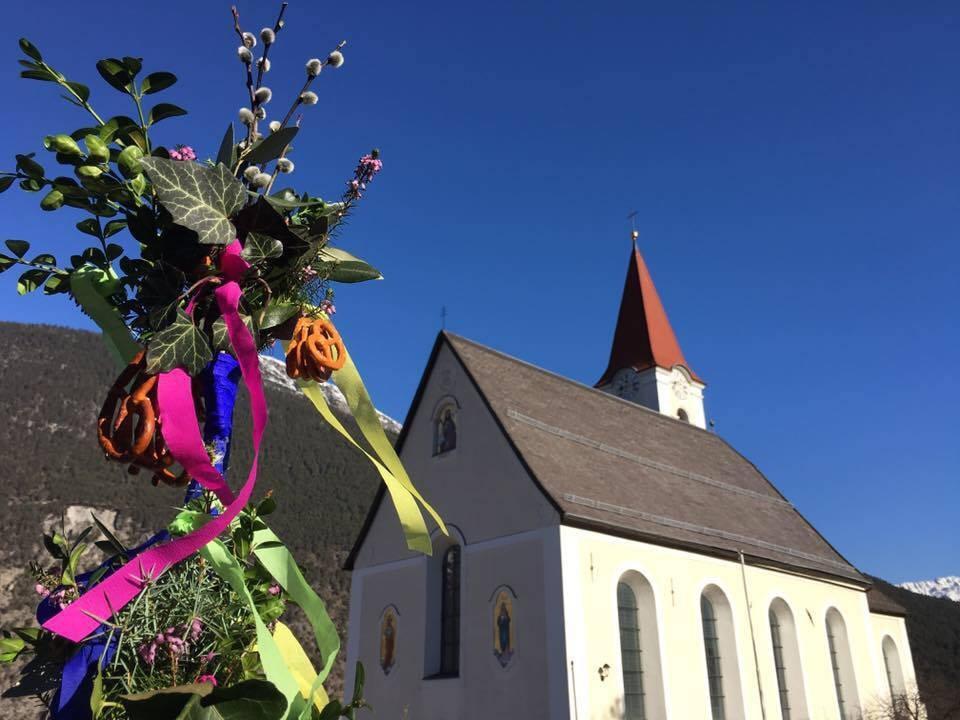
[[615, 466]]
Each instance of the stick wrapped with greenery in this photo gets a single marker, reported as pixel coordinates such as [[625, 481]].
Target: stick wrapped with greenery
[[226, 264]]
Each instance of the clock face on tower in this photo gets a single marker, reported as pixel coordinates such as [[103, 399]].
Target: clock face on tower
[[626, 384]]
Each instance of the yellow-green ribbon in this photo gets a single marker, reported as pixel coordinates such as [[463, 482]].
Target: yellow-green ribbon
[[402, 492]]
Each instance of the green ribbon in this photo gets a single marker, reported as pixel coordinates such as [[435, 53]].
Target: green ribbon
[[279, 562], [225, 564], [90, 285]]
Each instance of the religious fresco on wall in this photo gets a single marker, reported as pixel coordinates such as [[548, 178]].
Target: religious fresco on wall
[[445, 431], [388, 640], [503, 628]]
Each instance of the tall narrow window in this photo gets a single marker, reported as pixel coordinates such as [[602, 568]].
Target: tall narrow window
[[780, 665], [844, 679], [786, 661], [891, 663], [450, 612], [835, 664], [711, 644], [631, 654]]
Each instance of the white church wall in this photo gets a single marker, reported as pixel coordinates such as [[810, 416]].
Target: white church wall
[[527, 566], [894, 628], [593, 563], [467, 485]]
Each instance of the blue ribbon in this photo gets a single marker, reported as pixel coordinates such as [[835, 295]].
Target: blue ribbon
[[72, 699], [219, 380]]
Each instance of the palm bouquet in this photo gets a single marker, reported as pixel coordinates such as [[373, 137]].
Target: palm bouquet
[[229, 261]]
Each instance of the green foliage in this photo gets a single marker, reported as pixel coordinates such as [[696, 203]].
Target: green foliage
[[271, 146], [257, 248], [197, 197], [247, 700], [347, 268]]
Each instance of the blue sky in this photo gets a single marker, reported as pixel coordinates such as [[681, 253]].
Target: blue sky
[[795, 170]]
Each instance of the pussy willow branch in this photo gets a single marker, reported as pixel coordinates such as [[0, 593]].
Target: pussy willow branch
[[249, 66], [276, 168], [277, 27], [306, 86]]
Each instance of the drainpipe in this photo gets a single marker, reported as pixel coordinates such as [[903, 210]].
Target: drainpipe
[[753, 637]]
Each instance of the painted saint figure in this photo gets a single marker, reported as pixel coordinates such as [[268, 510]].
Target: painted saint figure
[[503, 629], [388, 641], [446, 431]]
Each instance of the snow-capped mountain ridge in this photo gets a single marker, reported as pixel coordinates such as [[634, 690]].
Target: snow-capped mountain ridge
[[945, 587], [275, 373]]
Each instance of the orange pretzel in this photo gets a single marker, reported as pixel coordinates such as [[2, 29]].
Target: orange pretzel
[[128, 427], [316, 350]]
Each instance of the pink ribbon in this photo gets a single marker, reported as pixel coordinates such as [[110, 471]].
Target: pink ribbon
[[182, 435]]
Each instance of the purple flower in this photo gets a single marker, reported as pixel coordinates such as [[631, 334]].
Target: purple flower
[[328, 307], [207, 679], [182, 152], [274, 589], [148, 653], [196, 627]]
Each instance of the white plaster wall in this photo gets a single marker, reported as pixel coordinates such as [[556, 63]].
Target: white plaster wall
[[896, 628], [592, 565], [480, 486], [530, 564], [676, 390]]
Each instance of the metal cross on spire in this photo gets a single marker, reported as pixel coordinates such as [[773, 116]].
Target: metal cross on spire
[[634, 233]]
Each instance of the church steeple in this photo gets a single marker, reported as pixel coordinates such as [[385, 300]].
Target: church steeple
[[646, 364]]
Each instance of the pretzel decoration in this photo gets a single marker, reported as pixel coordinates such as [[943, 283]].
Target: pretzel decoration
[[128, 427], [316, 350]]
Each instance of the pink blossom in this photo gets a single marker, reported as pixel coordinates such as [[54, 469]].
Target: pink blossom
[[41, 590], [207, 679], [182, 152], [148, 653], [196, 627], [274, 589], [328, 307]]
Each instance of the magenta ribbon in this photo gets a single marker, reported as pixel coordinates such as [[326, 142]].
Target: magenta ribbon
[[181, 432]]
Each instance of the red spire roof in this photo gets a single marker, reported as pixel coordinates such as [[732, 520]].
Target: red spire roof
[[643, 338]]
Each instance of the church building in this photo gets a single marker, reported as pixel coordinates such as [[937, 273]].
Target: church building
[[608, 556]]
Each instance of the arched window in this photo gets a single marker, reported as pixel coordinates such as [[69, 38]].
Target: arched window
[[631, 654], [720, 650], [445, 429], [639, 649], [840, 660], [891, 663], [682, 415], [450, 612], [786, 661]]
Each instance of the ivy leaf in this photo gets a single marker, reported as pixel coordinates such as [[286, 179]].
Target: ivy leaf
[[181, 344], [199, 198], [348, 268], [162, 111], [31, 280], [116, 74], [18, 247], [221, 338], [257, 248], [155, 82], [271, 146]]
